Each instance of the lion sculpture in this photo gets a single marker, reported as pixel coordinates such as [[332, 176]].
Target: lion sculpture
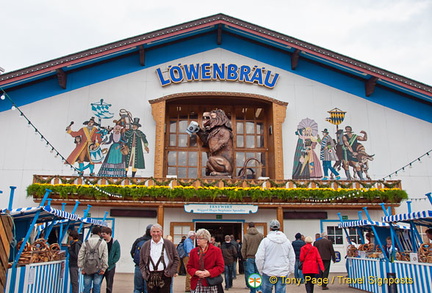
[[216, 134]]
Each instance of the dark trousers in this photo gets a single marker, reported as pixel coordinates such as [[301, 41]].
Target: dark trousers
[[309, 285], [109, 277], [74, 277], [326, 270]]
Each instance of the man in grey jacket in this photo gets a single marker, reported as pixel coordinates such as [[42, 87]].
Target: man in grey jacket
[[251, 241], [275, 259], [94, 279]]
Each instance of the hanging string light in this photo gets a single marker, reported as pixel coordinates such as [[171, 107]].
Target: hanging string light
[[410, 164], [52, 148]]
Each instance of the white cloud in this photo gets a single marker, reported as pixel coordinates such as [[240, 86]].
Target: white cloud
[[391, 34]]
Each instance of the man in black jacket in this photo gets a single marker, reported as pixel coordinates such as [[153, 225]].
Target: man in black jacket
[[140, 285], [297, 245], [74, 248]]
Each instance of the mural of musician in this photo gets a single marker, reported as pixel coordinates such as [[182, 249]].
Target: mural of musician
[[136, 143], [87, 149], [216, 134], [306, 162], [114, 163]]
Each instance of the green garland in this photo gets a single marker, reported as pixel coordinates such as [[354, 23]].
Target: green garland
[[204, 193]]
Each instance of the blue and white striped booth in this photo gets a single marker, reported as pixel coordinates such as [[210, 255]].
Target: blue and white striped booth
[[419, 273], [47, 277]]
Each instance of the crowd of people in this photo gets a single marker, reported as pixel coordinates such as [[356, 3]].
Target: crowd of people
[[203, 260]]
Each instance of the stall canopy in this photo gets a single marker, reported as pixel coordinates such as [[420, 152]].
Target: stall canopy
[[47, 213], [366, 223], [423, 218]]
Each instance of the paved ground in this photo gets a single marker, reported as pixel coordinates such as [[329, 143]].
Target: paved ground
[[124, 283]]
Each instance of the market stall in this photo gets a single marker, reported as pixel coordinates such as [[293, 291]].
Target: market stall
[[367, 266], [417, 265], [38, 264]]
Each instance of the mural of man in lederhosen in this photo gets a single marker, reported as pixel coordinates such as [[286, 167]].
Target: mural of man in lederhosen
[[87, 139], [137, 143]]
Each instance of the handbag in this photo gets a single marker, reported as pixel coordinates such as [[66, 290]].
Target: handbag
[[215, 280]]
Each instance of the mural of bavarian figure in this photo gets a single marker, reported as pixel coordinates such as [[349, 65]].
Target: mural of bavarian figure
[[136, 143], [114, 165], [306, 162], [217, 136], [354, 154], [87, 141]]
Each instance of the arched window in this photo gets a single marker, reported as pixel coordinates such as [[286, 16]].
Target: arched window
[[252, 123]]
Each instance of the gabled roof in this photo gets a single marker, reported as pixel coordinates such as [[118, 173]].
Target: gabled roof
[[219, 25]]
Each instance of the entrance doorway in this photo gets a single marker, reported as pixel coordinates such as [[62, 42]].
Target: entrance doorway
[[220, 229]]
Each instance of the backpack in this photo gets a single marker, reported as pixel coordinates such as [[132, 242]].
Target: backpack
[[137, 251], [181, 250], [92, 261]]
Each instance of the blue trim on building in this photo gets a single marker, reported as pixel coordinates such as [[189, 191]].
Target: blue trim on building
[[130, 63]]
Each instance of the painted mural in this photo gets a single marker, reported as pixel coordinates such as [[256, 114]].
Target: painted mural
[[344, 152], [117, 147]]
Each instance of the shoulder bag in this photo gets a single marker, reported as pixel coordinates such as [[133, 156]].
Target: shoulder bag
[[215, 280], [300, 267]]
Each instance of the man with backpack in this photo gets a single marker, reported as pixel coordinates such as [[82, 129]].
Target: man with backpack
[[140, 285], [93, 261]]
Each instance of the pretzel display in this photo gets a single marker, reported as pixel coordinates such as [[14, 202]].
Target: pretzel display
[[424, 249], [403, 256], [425, 253], [352, 251], [378, 248], [40, 251]]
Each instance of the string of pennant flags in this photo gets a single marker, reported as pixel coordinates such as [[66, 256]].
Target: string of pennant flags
[[57, 153], [409, 165]]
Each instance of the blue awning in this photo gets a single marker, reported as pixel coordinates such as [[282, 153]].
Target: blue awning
[[50, 215], [46, 213], [366, 223], [421, 218]]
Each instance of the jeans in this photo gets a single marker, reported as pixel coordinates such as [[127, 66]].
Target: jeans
[[140, 285], [250, 268], [94, 279], [298, 274], [228, 275], [267, 286]]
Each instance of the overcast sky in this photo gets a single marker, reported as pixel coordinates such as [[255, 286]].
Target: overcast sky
[[395, 35]]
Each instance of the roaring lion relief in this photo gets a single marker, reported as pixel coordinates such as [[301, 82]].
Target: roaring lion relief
[[216, 134]]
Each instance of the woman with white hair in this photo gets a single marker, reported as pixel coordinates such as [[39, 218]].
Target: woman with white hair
[[312, 264], [205, 261]]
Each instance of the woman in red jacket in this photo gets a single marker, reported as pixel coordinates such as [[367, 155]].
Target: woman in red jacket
[[206, 260], [312, 263]]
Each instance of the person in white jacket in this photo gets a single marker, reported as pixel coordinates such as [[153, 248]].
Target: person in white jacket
[[275, 259]]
